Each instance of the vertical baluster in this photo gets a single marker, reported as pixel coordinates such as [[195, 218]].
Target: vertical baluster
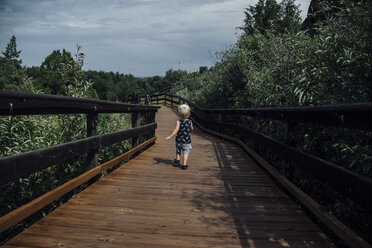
[[288, 129], [92, 130], [153, 115], [134, 124], [255, 128]]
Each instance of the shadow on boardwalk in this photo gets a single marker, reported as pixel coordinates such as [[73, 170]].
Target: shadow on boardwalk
[[262, 214]]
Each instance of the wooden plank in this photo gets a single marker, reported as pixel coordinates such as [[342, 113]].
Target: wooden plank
[[26, 210]]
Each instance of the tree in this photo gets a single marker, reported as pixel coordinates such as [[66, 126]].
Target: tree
[[269, 15], [11, 51], [58, 71], [321, 11], [11, 72], [171, 76], [79, 57], [263, 16], [203, 69], [290, 20]]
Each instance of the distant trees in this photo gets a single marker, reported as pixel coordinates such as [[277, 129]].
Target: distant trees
[[61, 74], [117, 86]]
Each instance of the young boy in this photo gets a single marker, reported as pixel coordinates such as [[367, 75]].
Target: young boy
[[183, 139]]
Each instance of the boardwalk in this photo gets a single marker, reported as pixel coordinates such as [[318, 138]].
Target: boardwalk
[[223, 200]]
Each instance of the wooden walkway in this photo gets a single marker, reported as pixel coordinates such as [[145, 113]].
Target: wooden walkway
[[222, 200]]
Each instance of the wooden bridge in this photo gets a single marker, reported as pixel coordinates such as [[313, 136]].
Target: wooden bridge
[[224, 199]]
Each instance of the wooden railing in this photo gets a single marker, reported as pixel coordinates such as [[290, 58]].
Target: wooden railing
[[17, 166], [356, 116], [350, 184]]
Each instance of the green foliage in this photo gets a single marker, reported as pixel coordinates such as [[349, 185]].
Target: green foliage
[[11, 72], [113, 123], [117, 86], [292, 69], [203, 69], [58, 72], [268, 15], [11, 50], [171, 76]]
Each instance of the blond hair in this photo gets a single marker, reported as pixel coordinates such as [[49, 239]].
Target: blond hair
[[184, 111]]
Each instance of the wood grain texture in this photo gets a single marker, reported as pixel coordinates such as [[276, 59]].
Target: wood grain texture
[[222, 200]]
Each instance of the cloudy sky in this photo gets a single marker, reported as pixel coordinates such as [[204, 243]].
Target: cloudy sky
[[141, 37]]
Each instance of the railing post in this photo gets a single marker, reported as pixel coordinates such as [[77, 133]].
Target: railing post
[[134, 124], [255, 128], [288, 128], [92, 130], [152, 119], [148, 120]]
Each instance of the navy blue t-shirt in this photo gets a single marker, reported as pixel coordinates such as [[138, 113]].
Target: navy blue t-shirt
[[184, 133]]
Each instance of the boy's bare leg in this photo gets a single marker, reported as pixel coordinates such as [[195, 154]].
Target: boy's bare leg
[[185, 157], [178, 156]]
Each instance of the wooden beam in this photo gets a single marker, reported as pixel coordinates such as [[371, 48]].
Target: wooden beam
[[21, 103], [92, 130], [26, 210]]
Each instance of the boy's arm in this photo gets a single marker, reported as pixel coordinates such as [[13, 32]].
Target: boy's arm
[[174, 131]]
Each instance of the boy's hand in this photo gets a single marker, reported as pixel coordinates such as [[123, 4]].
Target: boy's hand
[[167, 138]]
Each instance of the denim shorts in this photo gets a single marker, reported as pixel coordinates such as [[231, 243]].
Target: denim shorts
[[186, 148]]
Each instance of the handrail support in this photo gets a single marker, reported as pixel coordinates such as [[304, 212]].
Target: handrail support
[[134, 124], [92, 130]]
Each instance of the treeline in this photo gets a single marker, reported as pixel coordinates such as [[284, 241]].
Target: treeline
[[117, 86], [60, 72]]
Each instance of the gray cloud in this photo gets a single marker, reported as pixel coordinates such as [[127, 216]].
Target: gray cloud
[[142, 37]]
